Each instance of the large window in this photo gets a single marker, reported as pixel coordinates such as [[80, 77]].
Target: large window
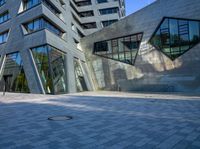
[[108, 10], [14, 72], [4, 17], [50, 65], [174, 36], [80, 80], [42, 23], [123, 49], [2, 2], [3, 37]]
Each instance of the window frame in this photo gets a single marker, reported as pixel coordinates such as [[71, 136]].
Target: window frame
[[159, 26]]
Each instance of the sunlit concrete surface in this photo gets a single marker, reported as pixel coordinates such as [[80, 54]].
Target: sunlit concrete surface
[[100, 120]]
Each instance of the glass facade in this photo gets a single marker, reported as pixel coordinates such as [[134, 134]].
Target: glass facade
[[123, 49], [80, 80], [14, 71], [50, 66], [174, 36], [42, 23]]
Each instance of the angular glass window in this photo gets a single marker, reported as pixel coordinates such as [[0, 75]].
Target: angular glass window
[[174, 36], [80, 80], [50, 65], [123, 49], [14, 73]]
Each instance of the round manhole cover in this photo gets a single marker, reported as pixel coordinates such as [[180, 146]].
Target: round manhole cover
[[60, 118]]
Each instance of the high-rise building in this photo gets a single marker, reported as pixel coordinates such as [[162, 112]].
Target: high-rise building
[[39, 41]]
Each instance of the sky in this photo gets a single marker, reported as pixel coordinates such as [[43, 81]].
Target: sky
[[134, 5]]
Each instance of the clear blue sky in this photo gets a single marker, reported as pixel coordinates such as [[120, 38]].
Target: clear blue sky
[[134, 5]]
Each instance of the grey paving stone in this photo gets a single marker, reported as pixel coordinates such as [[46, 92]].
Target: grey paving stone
[[100, 121]]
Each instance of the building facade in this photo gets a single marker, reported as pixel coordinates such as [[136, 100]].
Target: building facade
[[39, 43], [154, 50]]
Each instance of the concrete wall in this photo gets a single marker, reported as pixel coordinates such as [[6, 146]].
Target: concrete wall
[[153, 71]]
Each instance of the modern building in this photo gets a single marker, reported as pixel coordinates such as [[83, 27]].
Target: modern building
[[93, 15], [155, 49], [39, 41]]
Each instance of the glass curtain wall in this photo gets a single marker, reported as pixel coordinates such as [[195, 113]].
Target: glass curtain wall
[[50, 65], [174, 36], [80, 80], [123, 49], [14, 72]]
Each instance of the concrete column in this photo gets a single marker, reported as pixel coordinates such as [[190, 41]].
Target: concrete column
[[34, 83], [70, 73]]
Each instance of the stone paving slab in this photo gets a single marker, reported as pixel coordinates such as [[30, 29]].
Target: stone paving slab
[[101, 120]]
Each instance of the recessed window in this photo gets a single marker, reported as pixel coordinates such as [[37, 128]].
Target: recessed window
[[4, 17], [3, 37], [108, 11], [2, 2], [102, 1], [108, 22], [90, 25], [86, 13], [49, 5], [123, 49], [14, 71], [42, 23], [27, 4], [174, 37], [50, 66], [82, 3]]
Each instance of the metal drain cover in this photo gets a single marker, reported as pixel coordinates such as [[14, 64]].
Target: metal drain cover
[[60, 118]]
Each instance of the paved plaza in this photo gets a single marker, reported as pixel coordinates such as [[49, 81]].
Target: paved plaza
[[101, 120]]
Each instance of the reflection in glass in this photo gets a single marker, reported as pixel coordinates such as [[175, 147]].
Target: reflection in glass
[[123, 49], [80, 80], [176, 36], [13, 68], [50, 65]]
